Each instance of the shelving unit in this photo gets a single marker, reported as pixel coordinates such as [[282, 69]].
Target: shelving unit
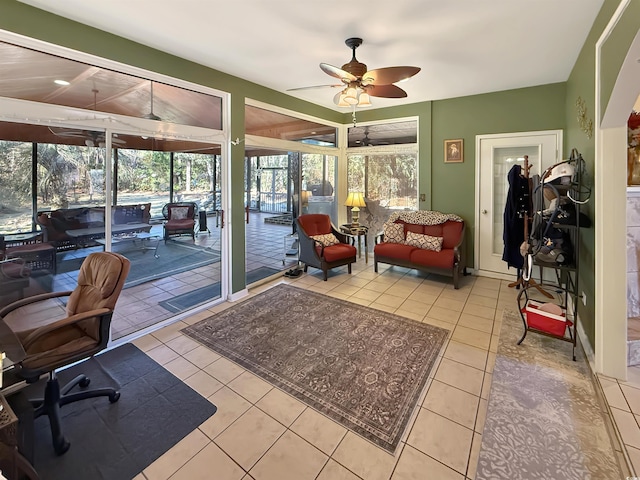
[[551, 230]]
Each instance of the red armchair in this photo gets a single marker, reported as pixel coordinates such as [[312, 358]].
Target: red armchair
[[180, 219], [322, 245]]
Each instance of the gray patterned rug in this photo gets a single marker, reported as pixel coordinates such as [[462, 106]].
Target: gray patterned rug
[[362, 367], [544, 419]]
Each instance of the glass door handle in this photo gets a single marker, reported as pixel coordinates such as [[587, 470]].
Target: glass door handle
[[221, 218]]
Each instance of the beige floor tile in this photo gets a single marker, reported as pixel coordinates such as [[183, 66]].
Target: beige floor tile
[[472, 337], [632, 396], [170, 331], [413, 316], [438, 323], [147, 343], [443, 314], [230, 407], [319, 430], [210, 459], [291, 458], [203, 383], [475, 299], [459, 295], [452, 403], [162, 354], [613, 393], [334, 471], [356, 282], [224, 370], [337, 294], [474, 456], [182, 344], [493, 346], [364, 458], [627, 426], [423, 297], [360, 301], [249, 437], [389, 300], [197, 317], [442, 439], [383, 307], [249, 386], [400, 290], [365, 294], [415, 465], [480, 311], [171, 461], [460, 376], [414, 307], [443, 302], [482, 415], [346, 290], [281, 406], [181, 368], [201, 356], [491, 362], [486, 386], [467, 354], [474, 322]]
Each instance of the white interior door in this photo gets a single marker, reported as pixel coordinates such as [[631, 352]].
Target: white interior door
[[497, 154]]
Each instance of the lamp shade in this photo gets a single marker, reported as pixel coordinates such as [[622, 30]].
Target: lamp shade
[[355, 199], [351, 96], [304, 197], [339, 99], [364, 100]]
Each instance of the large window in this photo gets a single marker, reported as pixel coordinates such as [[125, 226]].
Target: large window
[[383, 166], [15, 185]]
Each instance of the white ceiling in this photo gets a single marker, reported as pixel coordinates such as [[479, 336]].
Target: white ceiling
[[464, 47]]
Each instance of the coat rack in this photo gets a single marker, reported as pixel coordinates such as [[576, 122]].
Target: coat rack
[[524, 248]]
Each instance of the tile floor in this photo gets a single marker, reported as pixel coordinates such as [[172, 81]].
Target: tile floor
[[261, 433], [623, 398]]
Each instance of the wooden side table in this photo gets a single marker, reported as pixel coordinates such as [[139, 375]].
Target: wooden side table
[[13, 464], [358, 232]]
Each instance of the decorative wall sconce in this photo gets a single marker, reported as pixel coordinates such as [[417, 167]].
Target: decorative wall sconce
[[585, 124]]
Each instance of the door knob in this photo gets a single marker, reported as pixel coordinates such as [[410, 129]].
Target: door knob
[[484, 212]]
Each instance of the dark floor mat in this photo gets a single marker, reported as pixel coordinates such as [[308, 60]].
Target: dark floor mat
[[188, 300], [117, 441]]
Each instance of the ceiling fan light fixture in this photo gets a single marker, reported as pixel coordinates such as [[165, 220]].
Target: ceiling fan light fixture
[[351, 96], [338, 99], [364, 100]]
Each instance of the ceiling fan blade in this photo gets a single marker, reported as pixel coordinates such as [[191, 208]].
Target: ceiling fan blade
[[66, 133], [388, 75], [386, 91], [343, 75], [315, 86]]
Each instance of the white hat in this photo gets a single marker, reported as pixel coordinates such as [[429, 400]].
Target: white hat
[[563, 171]]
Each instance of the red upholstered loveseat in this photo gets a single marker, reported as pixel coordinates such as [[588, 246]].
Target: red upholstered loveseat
[[425, 240]]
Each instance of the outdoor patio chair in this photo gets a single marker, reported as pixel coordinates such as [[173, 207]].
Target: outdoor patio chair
[[180, 219], [322, 245]]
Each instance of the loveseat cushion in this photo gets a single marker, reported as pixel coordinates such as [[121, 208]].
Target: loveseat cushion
[[394, 233], [452, 233], [394, 250], [340, 251], [427, 242], [429, 258]]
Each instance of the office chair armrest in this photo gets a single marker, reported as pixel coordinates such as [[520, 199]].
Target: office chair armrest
[[28, 300], [64, 322]]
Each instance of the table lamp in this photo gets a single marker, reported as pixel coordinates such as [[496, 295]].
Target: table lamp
[[355, 200]]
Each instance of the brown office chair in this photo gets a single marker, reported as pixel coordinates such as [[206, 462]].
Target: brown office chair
[[51, 344], [318, 249], [14, 277], [180, 219]]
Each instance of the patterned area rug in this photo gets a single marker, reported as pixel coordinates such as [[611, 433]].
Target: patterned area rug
[[544, 419], [362, 367]]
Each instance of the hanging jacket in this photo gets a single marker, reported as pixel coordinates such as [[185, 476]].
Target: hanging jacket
[[516, 206]]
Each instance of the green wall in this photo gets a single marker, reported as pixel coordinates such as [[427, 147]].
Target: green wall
[[581, 83]]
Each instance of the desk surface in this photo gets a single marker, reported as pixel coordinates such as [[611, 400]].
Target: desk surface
[[129, 227]]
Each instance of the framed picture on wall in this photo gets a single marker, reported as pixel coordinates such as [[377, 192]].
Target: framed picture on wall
[[453, 152]]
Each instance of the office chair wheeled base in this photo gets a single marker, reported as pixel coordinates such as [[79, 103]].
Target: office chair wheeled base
[[56, 397]]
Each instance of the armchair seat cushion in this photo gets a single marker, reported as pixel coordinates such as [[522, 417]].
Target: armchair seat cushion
[[183, 223], [339, 251]]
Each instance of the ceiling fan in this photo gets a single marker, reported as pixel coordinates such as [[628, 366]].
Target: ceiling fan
[[359, 83], [91, 137]]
